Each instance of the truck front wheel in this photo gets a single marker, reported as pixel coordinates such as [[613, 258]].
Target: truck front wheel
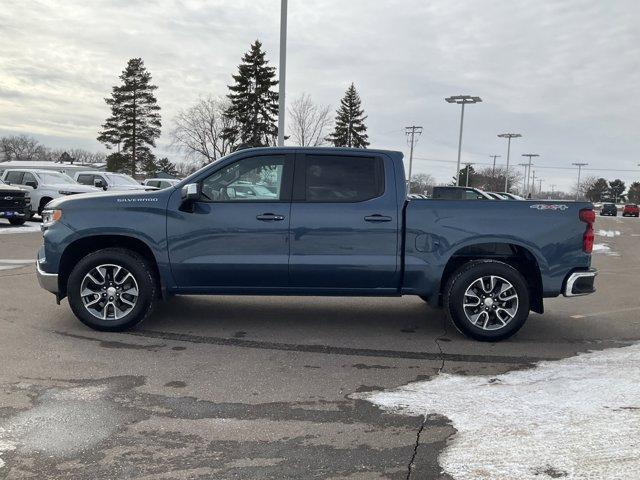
[[487, 300], [111, 289]]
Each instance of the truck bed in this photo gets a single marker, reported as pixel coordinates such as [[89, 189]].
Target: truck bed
[[437, 231]]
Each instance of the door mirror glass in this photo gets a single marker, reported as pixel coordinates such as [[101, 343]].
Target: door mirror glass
[[99, 183], [191, 192], [32, 184]]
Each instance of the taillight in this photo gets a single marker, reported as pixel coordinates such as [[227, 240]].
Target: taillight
[[589, 217]]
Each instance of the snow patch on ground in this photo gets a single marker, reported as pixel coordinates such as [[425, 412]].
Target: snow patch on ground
[[28, 227], [608, 233], [576, 418], [5, 447]]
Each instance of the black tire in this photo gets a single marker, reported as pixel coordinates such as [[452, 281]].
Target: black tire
[[141, 272], [463, 279], [43, 203], [17, 221]]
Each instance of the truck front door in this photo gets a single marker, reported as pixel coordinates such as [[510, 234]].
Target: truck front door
[[344, 223], [238, 232]]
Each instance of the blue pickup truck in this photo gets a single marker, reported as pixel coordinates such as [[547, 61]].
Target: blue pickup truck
[[313, 221]]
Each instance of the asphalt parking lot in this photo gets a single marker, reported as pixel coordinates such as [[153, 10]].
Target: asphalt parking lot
[[262, 387]]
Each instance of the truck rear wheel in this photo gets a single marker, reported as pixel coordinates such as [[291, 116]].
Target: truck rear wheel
[[17, 221], [487, 300], [111, 289]]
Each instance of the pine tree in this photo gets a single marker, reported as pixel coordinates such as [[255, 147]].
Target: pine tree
[[350, 130], [134, 123], [116, 162], [166, 166], [254, 105], [148, 164]]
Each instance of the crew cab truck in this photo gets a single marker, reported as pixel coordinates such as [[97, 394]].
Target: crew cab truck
[[43, 185], [340, 224]]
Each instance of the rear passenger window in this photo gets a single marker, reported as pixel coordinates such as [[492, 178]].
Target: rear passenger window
[[85, 179], [14, 177], [343, 179]]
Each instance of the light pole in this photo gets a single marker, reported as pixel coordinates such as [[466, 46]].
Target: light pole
[[579, 165], [282, 70], [461, 100], [508, 136], [530, 155]]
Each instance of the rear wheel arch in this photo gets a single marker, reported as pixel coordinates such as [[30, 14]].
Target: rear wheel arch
[[517, 256], [82, 247]]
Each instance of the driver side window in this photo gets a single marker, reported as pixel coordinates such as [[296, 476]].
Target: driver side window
[[250, 179]]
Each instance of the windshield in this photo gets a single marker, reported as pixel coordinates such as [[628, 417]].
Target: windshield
[[121, 179], [55, 177]]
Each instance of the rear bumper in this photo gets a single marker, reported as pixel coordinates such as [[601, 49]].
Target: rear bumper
[[580, 283], [48, 281]]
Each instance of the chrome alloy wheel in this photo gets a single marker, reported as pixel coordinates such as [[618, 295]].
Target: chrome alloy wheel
[[109, 292], [490, 302]]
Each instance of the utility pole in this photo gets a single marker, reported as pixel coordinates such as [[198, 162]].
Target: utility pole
[[493, 169], [579, 165], [540, 185], [532, 190], [509, 136], [530, 155], [467, 169], [282, 70], [524, 178], [412, 133], [461, 100]]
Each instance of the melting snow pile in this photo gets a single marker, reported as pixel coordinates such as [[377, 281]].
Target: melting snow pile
[[576, 418]]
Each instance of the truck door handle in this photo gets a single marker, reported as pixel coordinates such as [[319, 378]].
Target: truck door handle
[[270, 217], [377, 218]]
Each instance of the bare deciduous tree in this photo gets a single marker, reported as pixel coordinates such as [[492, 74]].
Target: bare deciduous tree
[[197, 130], [22, 147], [308, 122], [422, 183]]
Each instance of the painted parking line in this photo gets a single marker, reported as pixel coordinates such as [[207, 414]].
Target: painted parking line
[[609, 312], [11, 263]]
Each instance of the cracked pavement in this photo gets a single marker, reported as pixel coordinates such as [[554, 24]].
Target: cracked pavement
[[257, 387]]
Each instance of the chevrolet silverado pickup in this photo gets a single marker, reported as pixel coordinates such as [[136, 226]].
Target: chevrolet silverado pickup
[[320, 221], [15, 204]]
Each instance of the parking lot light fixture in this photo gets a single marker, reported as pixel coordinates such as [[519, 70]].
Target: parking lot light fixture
[[461, 100], [508, 136]]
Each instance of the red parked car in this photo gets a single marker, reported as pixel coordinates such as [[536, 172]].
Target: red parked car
[[631, 211]]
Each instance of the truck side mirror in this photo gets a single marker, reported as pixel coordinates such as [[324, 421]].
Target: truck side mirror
[[190, 194], [99, 183], [32, 184]]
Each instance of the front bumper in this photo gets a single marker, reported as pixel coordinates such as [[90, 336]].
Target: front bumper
[[580, 283], [48, 281]]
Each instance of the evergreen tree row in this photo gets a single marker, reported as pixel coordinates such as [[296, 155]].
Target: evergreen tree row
[[251, 118]]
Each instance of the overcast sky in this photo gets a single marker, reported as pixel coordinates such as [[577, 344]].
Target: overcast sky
[[564, 74]]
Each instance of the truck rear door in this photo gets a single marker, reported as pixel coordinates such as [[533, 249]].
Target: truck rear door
[[344, 222]]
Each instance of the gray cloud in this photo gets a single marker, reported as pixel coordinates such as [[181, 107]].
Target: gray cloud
[[560, 73]]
